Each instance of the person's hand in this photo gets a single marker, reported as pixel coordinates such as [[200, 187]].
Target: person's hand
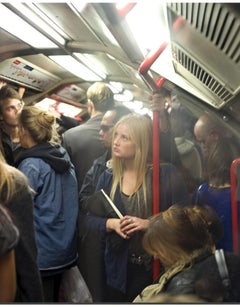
[[132, 224], [157, 102], [114, 225], [2, 83]]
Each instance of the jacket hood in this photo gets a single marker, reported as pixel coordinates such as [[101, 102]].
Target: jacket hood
[[53, 154]]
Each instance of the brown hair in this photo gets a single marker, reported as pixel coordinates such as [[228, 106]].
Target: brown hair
[[176, 235], [39, 123]]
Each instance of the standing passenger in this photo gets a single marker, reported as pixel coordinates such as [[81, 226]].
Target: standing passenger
[[129, 184], [10, 105], [216, 190], [109, 119], [52, 177], [16, 195], [209, 130], [82, 143], [91, 247]]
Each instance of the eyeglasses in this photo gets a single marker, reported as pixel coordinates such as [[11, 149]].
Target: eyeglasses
[[106, 128]]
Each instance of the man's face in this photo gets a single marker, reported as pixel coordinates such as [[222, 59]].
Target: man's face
[[205, 139], [10, 111], [106, 128]]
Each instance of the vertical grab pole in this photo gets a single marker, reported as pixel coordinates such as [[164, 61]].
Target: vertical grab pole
[[143, 70], [234, 204], [155, 153]]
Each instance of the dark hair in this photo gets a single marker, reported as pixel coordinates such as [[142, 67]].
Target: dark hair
[[212, 220], [8, 92], [221, 155], [120, 112]]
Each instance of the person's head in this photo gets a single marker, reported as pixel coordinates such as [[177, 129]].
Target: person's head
[[176, 236], [221, 155], [100, 98], [35, 126], [132, 142], [10, 105], [214, 224], [207, 131], [108, 121]]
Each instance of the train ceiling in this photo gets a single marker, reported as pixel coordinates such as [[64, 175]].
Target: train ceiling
[[201, 55]]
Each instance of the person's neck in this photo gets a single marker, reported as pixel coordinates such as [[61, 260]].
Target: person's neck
[[12, 131], [129, 165], [95, 113]]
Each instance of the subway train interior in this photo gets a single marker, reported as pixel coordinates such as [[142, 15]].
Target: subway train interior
[[53, 51]]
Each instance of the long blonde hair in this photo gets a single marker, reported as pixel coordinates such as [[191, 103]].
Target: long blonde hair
[[8, 182], [140, 132]]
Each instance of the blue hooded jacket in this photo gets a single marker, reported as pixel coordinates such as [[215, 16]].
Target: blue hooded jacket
[[52, 177]]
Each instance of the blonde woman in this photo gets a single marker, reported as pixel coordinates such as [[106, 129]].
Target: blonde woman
[[129, 184], [52, 177], [15, 193]]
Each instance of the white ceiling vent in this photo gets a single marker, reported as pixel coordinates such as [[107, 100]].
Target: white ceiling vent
[[206, 48]]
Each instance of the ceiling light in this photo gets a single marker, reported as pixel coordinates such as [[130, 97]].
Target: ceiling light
[[117, 86], [21, 29], [42, 21], [126, 96], [91, 61], [144, 32], [75, 67]]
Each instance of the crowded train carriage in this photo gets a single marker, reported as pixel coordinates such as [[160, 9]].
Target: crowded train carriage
[[119, 152]]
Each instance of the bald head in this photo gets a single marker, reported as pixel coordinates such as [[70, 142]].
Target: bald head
[[207, 131]]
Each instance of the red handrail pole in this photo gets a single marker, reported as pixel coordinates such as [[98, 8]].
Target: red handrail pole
[[234, 204], [156, 179], [143, 70]]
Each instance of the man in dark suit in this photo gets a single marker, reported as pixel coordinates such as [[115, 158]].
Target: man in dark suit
[[82, 142]]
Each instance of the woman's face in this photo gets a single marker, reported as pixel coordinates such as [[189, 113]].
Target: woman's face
[[123, 146]]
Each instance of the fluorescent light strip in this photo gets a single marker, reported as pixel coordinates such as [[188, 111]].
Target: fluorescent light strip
[[92, 63], [142, 31], [76, 68], [39, 21], [21, 29], [117, 85]]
